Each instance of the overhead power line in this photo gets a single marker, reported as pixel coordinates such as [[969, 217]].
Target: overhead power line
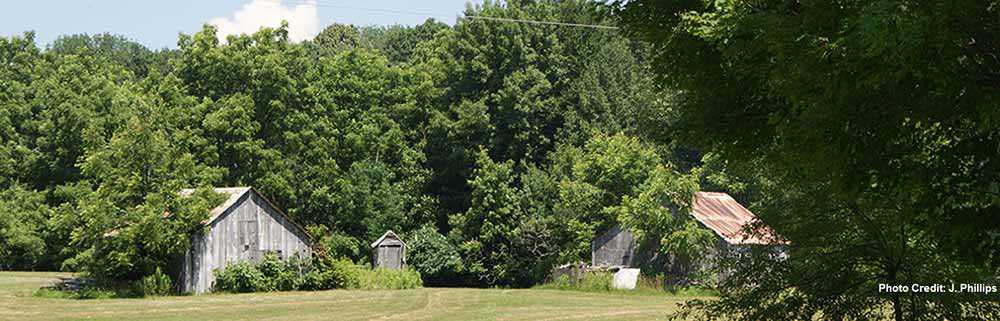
[[541, 22], [441, 15]]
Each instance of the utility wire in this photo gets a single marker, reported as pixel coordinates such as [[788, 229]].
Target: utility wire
[[440, 15], [539, 22]]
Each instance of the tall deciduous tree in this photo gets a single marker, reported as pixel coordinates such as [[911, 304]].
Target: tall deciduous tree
[[871, 126], [519, 89]]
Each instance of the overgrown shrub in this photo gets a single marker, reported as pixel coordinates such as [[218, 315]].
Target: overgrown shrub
[[270, 274], [335, 244], [331, 274], [282, 275], [240, 277], [154, 284], [433, 256], [273, 274]]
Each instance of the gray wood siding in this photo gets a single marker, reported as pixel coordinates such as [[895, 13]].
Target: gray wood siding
[[389, 256], [616, 247], [389, 252], [244, 232]]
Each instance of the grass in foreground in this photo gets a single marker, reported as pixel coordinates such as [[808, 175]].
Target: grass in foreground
[[601, 282], [18, 302]]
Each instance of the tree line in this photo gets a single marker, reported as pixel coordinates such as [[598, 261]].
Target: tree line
[[863, 132], [500, 149]]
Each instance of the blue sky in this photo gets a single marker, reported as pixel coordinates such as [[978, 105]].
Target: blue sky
[[156, 23]]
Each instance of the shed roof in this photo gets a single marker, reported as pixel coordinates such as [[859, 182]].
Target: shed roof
[[388, 235], [726, 217], [233, 195]]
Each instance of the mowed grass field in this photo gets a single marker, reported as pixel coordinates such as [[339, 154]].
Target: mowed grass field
[[17, 302]]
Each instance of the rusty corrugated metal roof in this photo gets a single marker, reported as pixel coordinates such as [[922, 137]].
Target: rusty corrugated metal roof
[[726, 217]]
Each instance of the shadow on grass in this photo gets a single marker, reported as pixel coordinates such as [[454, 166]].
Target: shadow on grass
[[82, 288]]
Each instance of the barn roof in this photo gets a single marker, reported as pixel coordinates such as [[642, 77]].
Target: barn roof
[[388, 235], [233, 196], [726, 217]]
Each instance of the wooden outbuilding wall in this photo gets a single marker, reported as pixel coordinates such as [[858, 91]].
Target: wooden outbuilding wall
[[616, 247], [245, 231], [389, 252]]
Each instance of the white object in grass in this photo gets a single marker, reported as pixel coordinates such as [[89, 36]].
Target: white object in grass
[[625, 279]]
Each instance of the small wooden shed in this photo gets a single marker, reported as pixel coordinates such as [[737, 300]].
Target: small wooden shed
[[389, 252], [245, 227], [615, 247]]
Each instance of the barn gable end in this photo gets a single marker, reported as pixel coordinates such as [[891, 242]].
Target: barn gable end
[[242, 229]]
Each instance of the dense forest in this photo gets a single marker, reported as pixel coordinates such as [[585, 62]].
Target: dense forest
[[866, 134], [498, 149]]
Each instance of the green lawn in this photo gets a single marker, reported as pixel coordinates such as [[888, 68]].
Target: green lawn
[[18, 303]]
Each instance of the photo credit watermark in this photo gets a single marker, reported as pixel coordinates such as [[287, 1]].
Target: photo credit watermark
[[939, 288]]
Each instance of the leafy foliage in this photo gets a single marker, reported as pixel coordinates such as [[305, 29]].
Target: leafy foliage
[[241, 277], [479, 140], [274, 274], [155, 284], [868, 131], [433, 256], [22, 218]]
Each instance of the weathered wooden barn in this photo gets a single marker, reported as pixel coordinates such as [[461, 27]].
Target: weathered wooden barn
[[389, 252], [725, 216], [718, 212], [245, 227]]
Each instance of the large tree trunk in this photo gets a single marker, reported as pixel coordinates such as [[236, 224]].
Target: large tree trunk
[[897, 308]]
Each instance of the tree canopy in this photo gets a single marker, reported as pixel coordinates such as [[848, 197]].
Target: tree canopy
[[870, 130], [864, 133], [484, 141]]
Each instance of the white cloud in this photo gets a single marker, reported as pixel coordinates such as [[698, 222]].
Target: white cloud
[[303, 19]]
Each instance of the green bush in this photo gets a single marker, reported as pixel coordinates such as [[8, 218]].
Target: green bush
[[270, 274], [273, 274], [346, 274], [331, 274], [562, 282], [433, 256], [596, 281], [240, 277], [282, 275], [155, 284]]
